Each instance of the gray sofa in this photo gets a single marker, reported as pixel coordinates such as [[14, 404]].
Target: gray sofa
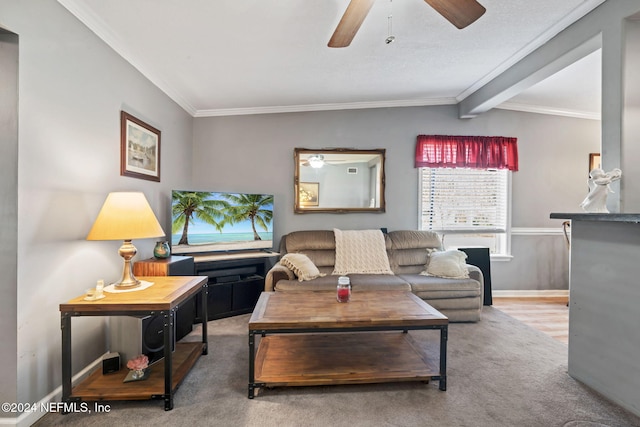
[[459, 299]]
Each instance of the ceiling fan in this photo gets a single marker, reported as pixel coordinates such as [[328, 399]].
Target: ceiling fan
[[459, 12], [317, 161]]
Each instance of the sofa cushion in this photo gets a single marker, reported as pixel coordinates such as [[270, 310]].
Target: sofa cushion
[[378, 282], [408, 253], [450, 264], [301, 265], [408, 260], [320, 258], [325, 283], [425, 284], [361, 252], [414, 239], [318, 245], [298, 241], [359, 282]]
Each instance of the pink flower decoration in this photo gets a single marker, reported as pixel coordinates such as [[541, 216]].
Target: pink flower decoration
[[138, 363]]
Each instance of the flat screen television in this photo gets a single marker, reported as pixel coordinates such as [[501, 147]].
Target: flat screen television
[[220, 222]]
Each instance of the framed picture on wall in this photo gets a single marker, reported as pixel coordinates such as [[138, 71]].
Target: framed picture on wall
[[139, 148], [594, 161], [309, 193]]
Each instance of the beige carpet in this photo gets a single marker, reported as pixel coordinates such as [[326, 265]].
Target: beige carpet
[[501, 372]]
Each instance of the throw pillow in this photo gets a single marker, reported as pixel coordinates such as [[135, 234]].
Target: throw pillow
[[360, 252], [302, 266], [449, 264]]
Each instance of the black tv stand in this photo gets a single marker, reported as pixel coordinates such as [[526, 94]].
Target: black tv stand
[[236, 280]]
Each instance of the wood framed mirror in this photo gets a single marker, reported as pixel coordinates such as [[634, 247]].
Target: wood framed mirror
[[339, 180]]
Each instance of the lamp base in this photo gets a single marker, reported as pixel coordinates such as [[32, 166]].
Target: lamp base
[[128, 280], [127, 284]]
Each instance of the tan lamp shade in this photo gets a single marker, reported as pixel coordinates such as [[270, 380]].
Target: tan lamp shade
[[125, 216]]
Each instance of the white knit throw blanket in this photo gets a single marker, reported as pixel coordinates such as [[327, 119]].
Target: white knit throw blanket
[[361, 252]]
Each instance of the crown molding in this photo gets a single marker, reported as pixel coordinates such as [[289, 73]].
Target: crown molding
[[576, 14], [540, 109], [325, 107], [101, 29]]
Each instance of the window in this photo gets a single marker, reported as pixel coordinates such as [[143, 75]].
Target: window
[[467, 207]]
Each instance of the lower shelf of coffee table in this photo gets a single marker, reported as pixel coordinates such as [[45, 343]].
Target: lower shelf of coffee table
[[110, 387], [341, 358]]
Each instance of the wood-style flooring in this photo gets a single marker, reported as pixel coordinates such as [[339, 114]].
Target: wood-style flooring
[[547, 314]]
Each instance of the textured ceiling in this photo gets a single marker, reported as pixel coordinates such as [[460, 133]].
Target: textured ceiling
[[250, 56]]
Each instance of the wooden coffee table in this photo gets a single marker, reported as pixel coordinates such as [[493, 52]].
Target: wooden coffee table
[[308, 338]]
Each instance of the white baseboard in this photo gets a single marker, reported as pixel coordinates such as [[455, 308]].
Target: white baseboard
[[29, 418], [545, 293]]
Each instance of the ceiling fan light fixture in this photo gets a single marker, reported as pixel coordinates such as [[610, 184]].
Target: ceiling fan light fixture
[[316, 161], [390, 37]]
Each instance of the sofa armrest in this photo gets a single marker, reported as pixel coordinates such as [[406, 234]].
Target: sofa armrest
[[476, 274], [276, 273]]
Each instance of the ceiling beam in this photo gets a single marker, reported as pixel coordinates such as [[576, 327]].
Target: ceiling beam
[[534, 68]]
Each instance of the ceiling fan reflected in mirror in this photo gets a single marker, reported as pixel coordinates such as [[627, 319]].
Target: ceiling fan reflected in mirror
[[317, 161], [460, 13]]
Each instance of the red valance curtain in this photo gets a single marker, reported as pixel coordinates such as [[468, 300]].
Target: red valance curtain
[[475, 152]]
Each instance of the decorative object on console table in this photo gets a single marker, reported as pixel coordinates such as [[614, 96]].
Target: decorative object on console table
[[162, 250], [110, 363], [139, 368], [126, 216], [481, 258]]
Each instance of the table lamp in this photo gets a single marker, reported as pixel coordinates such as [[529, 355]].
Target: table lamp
[[126, 216]]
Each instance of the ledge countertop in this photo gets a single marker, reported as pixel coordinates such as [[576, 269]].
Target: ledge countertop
[[605, 217]]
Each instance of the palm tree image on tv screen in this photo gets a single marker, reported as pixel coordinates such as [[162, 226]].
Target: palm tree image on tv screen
[[214, 221]]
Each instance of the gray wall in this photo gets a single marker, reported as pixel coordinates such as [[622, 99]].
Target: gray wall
[[71, 90], [554, 151], [8, 212], [540, 262], [631, 118]]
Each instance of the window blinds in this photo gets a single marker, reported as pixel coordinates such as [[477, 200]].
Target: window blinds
[[464, 200]]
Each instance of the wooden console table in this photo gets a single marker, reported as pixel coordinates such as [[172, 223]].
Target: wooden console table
[[162, 298]]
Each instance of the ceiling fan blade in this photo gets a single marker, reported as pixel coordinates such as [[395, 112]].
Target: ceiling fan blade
[[459, 12], [350, 23]]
